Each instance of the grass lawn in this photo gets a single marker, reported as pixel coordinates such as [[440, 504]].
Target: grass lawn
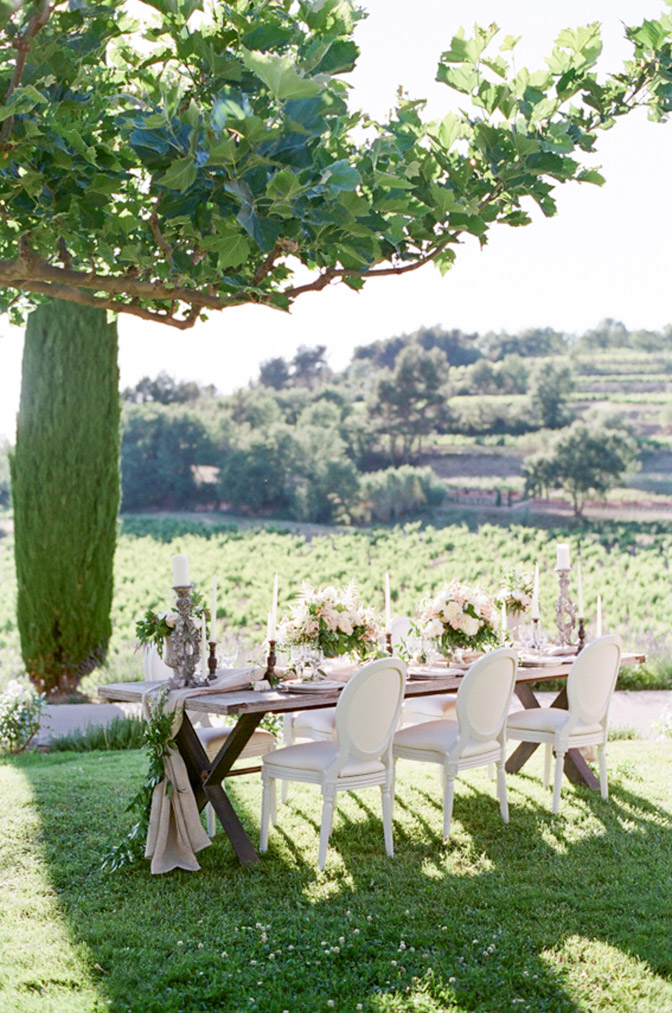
[[560, 913]]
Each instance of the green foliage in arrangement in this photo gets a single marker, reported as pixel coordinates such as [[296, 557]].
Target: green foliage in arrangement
[[497, 916], [171, 162], [157, 737], [65, 492]]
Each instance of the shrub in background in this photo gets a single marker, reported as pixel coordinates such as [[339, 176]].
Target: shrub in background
[[20, 717]]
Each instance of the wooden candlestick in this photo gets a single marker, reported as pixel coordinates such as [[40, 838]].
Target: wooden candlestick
[[270, 660], [388, 643], [582, 635], [212, 661]]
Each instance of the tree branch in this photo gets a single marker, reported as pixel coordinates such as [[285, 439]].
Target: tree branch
[[134, 308], [22, 46], [158, 235]]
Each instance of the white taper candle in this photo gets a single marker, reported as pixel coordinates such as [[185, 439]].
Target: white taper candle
[[204, 645], [534, 608], [213, 611], [274, 602]]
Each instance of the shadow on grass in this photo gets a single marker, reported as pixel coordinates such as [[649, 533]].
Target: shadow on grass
[[535, 915]]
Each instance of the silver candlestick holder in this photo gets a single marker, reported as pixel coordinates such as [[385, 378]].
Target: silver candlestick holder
[[565, 610], [185, 646]]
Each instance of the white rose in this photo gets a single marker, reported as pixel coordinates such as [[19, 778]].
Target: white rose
[[344, 623], [331, 618], [171, 618], [434, 628], [452, 611], [470, 625]]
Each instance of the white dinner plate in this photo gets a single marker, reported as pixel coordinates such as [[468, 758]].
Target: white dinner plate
[[544, 660], [434, 673], [319, 686]]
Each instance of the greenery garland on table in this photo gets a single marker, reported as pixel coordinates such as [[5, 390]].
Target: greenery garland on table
[[158, 740]]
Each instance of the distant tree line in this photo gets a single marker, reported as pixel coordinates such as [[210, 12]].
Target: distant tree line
[[306, 442]]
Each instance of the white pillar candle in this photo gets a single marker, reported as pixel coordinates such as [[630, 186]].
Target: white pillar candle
[[579, 588], [388, 603], [213, 611], [204, 645], [181, 571], [562, 556], [598, 624], [274, 604], [534, 608]]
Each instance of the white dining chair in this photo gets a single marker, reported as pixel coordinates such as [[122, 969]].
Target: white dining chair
[[590, 685], [367, 715], [401, 628], [477, 738]]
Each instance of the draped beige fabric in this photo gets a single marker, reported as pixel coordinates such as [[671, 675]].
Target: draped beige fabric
[[175, 830]]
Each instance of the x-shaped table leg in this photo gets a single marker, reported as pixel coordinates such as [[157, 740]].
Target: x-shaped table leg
[[205, 777], [576, 769]]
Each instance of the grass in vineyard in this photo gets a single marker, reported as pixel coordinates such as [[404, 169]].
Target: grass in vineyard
[[562, 913], [628, 564]]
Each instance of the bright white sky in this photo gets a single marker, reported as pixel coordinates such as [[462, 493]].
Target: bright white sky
[[603, 255]]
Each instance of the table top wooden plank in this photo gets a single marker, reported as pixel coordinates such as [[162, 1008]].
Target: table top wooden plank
[[277, 702]]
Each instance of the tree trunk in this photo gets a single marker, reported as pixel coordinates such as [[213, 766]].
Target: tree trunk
[[65, 492]]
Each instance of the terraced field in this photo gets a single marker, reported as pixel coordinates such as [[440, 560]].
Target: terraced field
[[487, 471]]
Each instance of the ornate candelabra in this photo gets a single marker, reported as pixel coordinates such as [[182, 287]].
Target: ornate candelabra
[[565, 610], [388, 643], [184, 642]]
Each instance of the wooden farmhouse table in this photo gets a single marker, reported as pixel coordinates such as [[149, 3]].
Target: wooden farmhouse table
[[249, 707]]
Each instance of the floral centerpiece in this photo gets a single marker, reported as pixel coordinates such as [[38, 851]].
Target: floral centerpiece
[[515, 592], [459, 617], [156, 627], [331, 620]]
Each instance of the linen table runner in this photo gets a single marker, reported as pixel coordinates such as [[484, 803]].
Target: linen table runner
[[175, 829]]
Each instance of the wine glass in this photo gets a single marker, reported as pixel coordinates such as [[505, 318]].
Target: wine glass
[[229, 648]]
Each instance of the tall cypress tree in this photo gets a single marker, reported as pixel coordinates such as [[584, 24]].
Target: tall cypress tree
[[65, 491]]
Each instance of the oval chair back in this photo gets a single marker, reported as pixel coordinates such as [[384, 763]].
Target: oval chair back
[[484, 695], [367, 713], [400, 628], [156, 670], [592, 678]]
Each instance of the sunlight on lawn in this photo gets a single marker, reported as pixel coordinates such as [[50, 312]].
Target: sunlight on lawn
[[566, 913], [31, 920], [620, 977]]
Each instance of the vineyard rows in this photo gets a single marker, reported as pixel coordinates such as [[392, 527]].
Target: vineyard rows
[[627, 564]]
